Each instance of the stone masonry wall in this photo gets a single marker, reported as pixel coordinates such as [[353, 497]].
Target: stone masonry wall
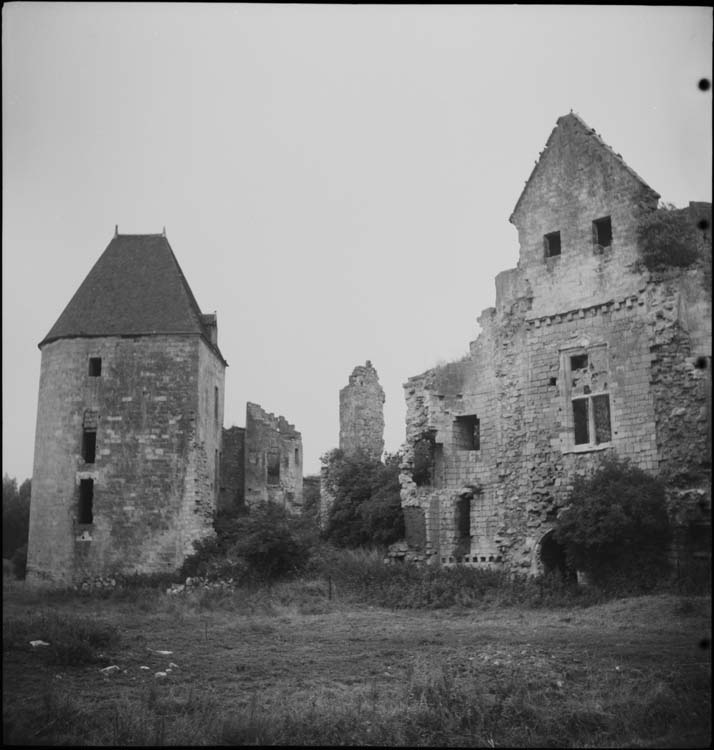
[[273, 460], [232, 492], [362, 413], [154, 490], [585, 353]]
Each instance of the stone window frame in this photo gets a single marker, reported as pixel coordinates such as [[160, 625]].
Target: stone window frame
[[565, 377]]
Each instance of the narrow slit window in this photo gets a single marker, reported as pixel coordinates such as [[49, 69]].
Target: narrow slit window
[[95, 367], [297, 456], [215, 402], [89, 446], [551, 243], [602, 232], [463, 518], [86, 501]]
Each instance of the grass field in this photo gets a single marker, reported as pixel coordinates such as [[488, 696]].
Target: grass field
[[290, 666]]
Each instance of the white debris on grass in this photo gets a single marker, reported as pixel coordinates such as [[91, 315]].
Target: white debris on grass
[[110, 670], [160, 675], [35, 644]]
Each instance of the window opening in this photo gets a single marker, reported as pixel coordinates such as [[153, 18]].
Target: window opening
[[95, 367], [551, 243], [215, 402], [602, 232], [590, 399], [423, 469], [86, 500], [463, 520], [467, 433], [297, 456], [273, 467], [579, 362], [89, 445]]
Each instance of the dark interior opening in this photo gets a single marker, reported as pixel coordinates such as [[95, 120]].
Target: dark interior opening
[[86, 501], [89, 446], [552, 555], [551, 242], [602, 231], [95, 367]]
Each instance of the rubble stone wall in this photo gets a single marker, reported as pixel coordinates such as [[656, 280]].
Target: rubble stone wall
[[362, 413], [153, 474], [585, 353], [273, 460]]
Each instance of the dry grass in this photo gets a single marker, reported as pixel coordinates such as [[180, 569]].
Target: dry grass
[[290, 666]]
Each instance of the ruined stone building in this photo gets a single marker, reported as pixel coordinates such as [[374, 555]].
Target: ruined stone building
[[585, 353], [129, 421], [131, 458], [361, 424], [362, 413], [263, 462]]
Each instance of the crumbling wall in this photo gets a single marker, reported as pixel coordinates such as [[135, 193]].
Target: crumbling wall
[[362, 413], [232, 491], [585, 353], [273, 460], [152, 476]]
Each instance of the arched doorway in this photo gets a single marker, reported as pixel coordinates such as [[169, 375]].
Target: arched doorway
[[553, 559]]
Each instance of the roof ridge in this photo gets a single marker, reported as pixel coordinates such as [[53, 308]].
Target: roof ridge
[[575, 116], [136, 287]]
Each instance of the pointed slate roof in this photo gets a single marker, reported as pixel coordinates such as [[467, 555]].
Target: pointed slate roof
[[136, 288], [578, 122]]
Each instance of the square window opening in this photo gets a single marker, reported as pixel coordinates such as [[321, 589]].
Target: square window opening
[[86, 501], [551, 243], [602, 232], [579, 362], [89, 446], [467, 433], [95, 367]]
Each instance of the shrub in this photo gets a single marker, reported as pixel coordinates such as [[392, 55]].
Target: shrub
[[667, 238], [367, 507], [263, 544], [616, 527], [272, 542]]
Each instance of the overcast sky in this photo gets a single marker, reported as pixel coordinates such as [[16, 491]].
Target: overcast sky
[[335, 181]]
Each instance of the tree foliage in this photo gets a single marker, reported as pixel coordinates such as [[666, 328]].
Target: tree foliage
[[262, 543], [616, 525], [15, 515], [367, 506], [667, 238]]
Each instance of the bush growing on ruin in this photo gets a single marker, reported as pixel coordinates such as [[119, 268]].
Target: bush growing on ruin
[[616, 527], [367, 507], [667, 237]]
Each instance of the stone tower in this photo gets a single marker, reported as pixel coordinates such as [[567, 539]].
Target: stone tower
[[362, 413], [129, 422]]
